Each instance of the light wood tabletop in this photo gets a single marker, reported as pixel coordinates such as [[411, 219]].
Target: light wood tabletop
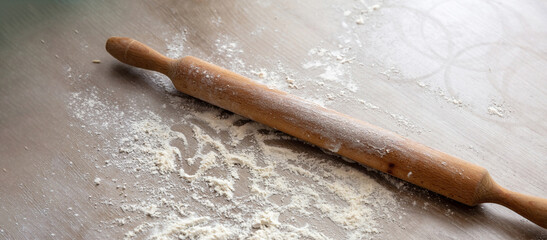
[[468, 78]]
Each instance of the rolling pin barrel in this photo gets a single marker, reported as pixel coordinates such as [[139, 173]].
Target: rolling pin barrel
[[349, 137], [339, 133]]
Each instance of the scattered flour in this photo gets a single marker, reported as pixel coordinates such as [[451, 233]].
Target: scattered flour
[[266, 219], [190, 228], [361, 13], [440, 94], [205, 174], [221, 186], [150, 145], [496, 109], [332, 66]]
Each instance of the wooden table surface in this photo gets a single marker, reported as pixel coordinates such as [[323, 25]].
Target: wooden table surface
[[465, 77]]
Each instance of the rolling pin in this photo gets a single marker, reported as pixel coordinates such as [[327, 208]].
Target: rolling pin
[[360, 141]]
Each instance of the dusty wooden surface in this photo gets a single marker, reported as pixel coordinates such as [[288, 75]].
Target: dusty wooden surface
[[467, 78]]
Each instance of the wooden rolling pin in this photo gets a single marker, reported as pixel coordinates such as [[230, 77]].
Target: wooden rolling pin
[[360, 141]]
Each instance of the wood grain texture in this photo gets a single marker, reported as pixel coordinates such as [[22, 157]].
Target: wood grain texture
[[480, 52]]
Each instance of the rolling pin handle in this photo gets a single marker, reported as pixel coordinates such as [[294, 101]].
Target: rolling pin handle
[[135, 53], [531, 207]]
